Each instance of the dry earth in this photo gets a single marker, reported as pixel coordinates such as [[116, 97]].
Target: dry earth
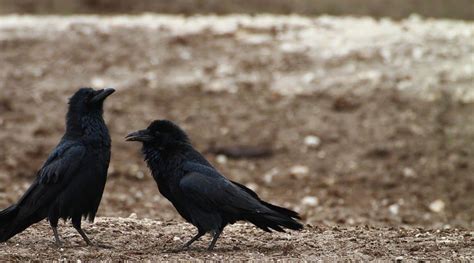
[[369, 123], [132, 239]]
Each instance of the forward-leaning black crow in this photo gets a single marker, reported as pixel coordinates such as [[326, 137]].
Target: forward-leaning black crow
[[198, 191], [71, 182]]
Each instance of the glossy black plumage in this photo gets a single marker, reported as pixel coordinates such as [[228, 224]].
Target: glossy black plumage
[[198, 191], [70, 183]]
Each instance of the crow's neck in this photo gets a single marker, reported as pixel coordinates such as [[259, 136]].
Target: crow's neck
[[162, 161], [88, 127]]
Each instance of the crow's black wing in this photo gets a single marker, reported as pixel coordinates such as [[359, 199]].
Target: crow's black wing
[[62, 162], [55, 173], [211, 191]]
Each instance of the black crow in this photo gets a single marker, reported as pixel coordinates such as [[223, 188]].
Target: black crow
[[198, 191], [71, 182]]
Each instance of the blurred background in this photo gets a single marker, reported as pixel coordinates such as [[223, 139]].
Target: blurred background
[[459, 9], [351, 112]]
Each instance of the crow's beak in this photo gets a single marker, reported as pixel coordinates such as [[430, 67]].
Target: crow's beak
[[141, 136], [101, 95]]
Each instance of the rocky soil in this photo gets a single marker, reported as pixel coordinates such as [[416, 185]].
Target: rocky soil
[[135, 240]]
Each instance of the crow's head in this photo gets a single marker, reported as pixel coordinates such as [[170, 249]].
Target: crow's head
[[88, 100], [160, 133], [85, 105]]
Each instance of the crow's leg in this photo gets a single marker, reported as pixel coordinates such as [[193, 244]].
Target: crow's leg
[[196, 237], [217, 233], [53, 221], [56, 236], [77, 225]]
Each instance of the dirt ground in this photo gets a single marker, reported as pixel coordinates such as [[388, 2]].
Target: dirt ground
[[131, 239], [367, 127]]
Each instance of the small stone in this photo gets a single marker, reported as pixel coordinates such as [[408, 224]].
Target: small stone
[[351, 221], [268, 177], [308, 77], [408, 172], [299, 170], [224, 130], [132, 216], [312, 141], [399, 259], [98, 82], [310, 201], [394, 209], [176, 238], [140, 175], [437, 206], [222, 159]]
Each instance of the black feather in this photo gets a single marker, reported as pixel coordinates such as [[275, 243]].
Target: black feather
[[198, 191], [70, 183]]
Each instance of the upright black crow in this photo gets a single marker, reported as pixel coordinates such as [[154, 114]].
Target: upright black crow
[[198, 191], [71, 182]]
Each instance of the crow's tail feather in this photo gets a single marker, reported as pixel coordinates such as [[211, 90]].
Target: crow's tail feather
[[277, 219], [7, 218], [282, 210], [274, 217], [11, 223]]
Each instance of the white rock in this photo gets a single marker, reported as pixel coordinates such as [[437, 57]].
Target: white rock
[[299, 170], [308, 77], [140, 175], [176, 238], [132, 216], [312, 141], [437, 206], [268, 177], [394, 209], [222, 159], [408, 172], [350, 221], [98, 82], [310, 201]]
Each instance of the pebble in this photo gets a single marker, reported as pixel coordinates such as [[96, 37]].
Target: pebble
[[221, 159], [310, 201], [394, 209], [437, 206], [408, 172], [299, 170], [268, 177], [312, 141], [133, 216]]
